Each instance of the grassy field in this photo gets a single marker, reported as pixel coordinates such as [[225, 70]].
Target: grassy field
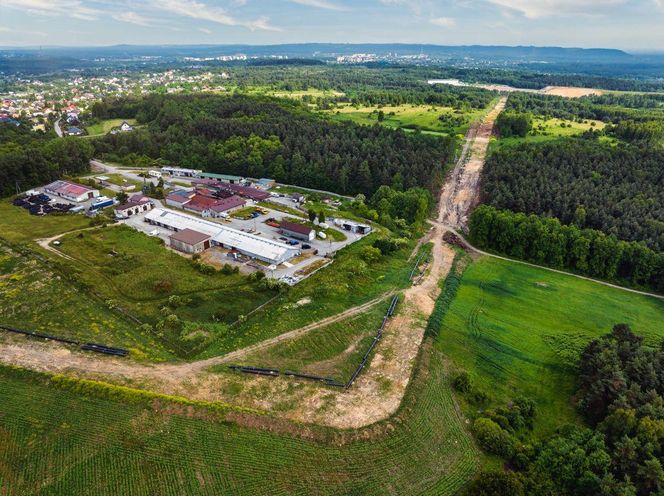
[[138, 271], [105, 126], [519, 330], [34, 297], [551, 129], [347, 282], [409, 116], [17, 225], [55, 441], [331, 351]]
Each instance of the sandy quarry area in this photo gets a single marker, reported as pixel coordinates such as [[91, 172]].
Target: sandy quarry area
[[570, 92]]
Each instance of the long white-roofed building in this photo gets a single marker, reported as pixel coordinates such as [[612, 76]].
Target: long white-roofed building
[[250, 245]]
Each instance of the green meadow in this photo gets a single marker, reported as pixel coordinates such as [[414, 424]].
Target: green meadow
[[518, 330]]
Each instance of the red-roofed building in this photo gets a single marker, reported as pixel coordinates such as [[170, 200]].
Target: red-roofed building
[[136, 204], [224, 206], [71, 191], [199, 203], [189, 241], [298, 231]]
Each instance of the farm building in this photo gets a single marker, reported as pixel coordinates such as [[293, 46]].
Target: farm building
[[250, 245], [297, 231], [136, 204], [189, 241], [181, 172], [71, 191], [224, 178]]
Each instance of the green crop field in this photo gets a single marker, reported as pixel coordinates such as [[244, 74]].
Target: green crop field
[[518, 330]]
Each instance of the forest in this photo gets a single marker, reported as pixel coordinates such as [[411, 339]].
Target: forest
[[31, 159], [607, 108], [616, 189], [621, 396], [266, 137], [545, 241]]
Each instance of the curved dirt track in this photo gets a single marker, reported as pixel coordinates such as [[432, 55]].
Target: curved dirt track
[[379, 389]]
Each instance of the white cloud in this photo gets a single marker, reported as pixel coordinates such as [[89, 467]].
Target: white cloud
[[69, 8], [205, 30], [321, 4], [446, 22], [131, 18], [544, 8], [199, 10], [4, 29]]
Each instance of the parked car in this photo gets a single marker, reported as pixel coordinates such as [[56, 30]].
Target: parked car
[[292, 242], [306, 246]]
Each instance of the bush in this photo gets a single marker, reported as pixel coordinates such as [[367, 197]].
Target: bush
[[257, 276], [493, 438], [461, 382], [370, 254], [496, 484]]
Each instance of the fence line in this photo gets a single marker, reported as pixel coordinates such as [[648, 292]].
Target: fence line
[[328, 381], [98, 348]]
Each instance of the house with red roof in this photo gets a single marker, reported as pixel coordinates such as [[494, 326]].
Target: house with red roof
[[71, 191]]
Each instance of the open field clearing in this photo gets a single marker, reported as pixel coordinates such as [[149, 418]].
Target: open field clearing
[[570, 91], [138, 271], [552, 129], [331, 351], [17, 225], [426, 118], [100, 446], [105, 126], [518, 330], [36, 298]]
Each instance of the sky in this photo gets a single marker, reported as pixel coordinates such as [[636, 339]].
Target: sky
[[636, 25]]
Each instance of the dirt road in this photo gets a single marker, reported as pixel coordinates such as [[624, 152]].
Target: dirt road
[[459, 194], [379, 389]]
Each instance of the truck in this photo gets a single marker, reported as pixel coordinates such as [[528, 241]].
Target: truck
[[101, 202]]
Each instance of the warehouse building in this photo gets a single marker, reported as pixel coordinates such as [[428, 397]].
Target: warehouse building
[[71, 191], [247, 244], [181, 172], [135, 205], [297, 231], [224, 178], [189, 241]]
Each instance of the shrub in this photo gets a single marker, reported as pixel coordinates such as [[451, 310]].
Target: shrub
[[493, 438], [496, 484], [461, 382], [257, 276], [370, 254]]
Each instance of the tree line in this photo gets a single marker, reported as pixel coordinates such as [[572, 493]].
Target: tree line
[[30, 159], [267, 137], [621, 396], [616, 189], [545, 241]]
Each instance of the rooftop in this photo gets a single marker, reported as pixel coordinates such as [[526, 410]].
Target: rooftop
[[295, 227], [67, 188], [189, 236]]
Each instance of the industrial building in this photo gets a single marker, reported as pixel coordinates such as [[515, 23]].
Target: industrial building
[[71, 191], [352, 226], [135, 205], [181, 172], [253, 246], [297, 231], [189, 241], [224, 178]]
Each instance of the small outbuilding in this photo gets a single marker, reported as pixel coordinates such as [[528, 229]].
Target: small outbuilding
[[189, 241]]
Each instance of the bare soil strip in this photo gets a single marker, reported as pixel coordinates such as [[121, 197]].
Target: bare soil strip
[[380, 388]]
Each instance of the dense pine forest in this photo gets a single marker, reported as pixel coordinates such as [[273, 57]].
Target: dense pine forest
[[259, 137], [616, 189], [29, 159]]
